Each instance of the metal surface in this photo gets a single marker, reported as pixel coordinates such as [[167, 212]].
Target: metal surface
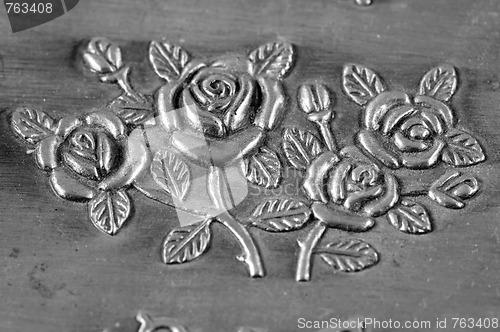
[[303, 137]]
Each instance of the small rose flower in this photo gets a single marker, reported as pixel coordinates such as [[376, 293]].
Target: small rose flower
[[218, 111], [91, 153], [351, 181], [401, 130]]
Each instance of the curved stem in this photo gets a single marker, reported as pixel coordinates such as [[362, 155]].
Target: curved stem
[[250, 254], [121, 78], [418, 190], [306, 248]]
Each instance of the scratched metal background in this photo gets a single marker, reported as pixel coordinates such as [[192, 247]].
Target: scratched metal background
[[58, 273]]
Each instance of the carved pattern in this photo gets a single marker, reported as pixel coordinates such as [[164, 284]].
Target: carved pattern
[[398, 131], [210, 115], [203, 133]]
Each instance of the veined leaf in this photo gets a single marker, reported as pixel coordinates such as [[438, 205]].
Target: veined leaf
[[361, 84], [348, 255], [108, 211], [171, 173], [410, 217], [133, 112], [280, 215], [168, 60], [439, 83], [186, 243], [263, 168], [462, 149], [300, 147], [32, 125], [272, 59]]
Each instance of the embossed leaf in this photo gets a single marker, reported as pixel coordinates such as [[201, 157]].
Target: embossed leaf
[[300, 147], [410, 217], [361, 84], [272, 59], [280, 215], [131, 111], [102, 56], [186, 243], [350, 255], [32, 125], [168, 60], [263, 168], [439, 83], [108, 211], [171, 173], [462, 149], [452, 188]]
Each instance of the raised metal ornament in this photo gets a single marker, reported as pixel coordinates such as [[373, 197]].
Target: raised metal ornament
[[199, 140]]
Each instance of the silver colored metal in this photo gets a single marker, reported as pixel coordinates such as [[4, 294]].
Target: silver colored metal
[[153, 324], [203, 136]]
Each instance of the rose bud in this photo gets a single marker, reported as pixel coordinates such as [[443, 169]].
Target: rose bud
[[313, 98], [102, 56]]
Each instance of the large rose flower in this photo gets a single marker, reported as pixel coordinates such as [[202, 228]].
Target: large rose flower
[[218, 111], [91, 153], [400, 130], [351, 181]]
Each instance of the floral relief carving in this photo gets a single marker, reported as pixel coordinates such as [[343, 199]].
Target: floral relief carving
[[349, 187], [200, 138], [209, 117]]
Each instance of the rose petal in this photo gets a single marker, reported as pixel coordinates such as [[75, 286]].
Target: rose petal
[[80, 165], [238, 115], [206, 151], [137, 158], [412, 121], [337, 182], [106, 152], [169, 113], [193, 66], [200, 119], [345, 221], [407, 145], [46, 153], [387, 201], [433, 121], [272, 107], [317, 173], [369, 141], [66, 186], [107, 120], [424, 159], [437, 107], [355, 199], [394, 116], [380, 105], [67, 124]]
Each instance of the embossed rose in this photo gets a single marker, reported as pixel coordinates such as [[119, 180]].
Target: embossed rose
[[220, 110], [352, 181], [401, 130], [90, 153]]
